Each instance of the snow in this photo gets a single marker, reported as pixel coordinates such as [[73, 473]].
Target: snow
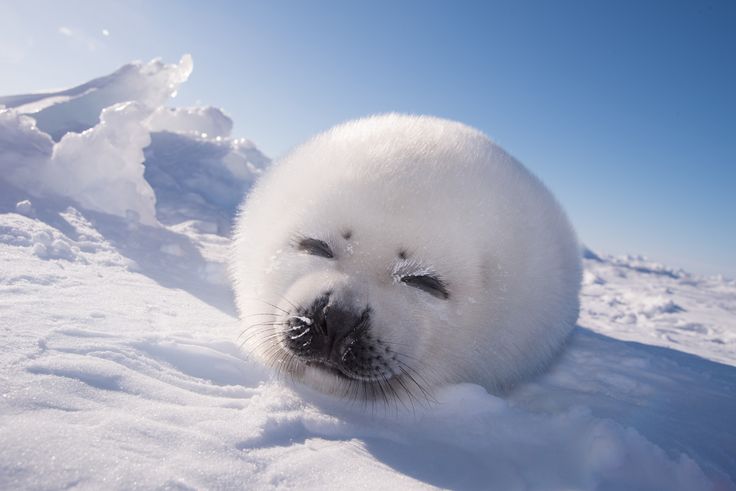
[[89, 143], [121, 368], [79, 108]]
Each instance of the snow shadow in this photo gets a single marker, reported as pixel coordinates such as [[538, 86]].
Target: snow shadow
[[169, 258], [441, 465], [678, 401], [634, 397], [48, 213]]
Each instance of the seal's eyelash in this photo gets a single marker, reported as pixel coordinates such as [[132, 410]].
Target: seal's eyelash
[[315, 247], [415, 274], [428, 283]]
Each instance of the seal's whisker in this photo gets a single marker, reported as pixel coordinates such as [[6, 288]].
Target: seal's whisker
[[391, 392], [257, 331], [383, 392], [263, 334], [249, 334], [267, 303], [262, 342], [262, 327], [266, 340], [293, 305], [424, 391], [276, 314], [409, 393], [268, 323]]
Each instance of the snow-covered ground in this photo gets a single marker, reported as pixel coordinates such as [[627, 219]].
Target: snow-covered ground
[[120, 364]]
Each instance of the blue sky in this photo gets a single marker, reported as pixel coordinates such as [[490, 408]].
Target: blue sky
[[627, 110]]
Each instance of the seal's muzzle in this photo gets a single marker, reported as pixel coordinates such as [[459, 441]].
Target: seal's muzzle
[[331, 335]]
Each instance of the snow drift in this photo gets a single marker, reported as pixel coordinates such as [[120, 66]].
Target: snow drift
[[87, 144], [120, 365]]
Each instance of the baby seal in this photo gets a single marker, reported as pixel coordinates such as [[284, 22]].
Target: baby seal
[[393, 254]]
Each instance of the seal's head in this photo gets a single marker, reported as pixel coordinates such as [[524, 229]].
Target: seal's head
[[395, 253]]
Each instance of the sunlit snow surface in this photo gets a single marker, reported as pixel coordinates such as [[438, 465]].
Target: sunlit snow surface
[[120, 366]]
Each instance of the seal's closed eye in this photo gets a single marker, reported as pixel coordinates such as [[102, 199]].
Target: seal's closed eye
[[315, 247], [430, 284]]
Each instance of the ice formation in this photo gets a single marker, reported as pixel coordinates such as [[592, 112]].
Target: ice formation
[[94, 143]]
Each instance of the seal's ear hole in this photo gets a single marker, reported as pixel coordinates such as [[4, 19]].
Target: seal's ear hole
[[428, 283], [315, 247], [347, 234]]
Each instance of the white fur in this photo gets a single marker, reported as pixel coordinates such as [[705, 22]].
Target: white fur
[[458, 204]]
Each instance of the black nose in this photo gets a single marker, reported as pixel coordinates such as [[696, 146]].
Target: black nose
[[326, 329]]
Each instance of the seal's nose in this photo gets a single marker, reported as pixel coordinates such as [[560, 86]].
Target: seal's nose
[[333, 323], [325, 337]]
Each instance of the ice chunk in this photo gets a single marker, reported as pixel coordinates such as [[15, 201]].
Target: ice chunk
[[102, 168], [79, 108], [655, 306], [48, 246], [191, 120], [25, 207], [23, 148], [200, 179], [192, 167]]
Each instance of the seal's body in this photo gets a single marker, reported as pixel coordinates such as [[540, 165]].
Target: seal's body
[[396, 253]]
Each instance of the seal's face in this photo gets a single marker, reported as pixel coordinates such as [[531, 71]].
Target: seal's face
[[394, 254], [347, 323]]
